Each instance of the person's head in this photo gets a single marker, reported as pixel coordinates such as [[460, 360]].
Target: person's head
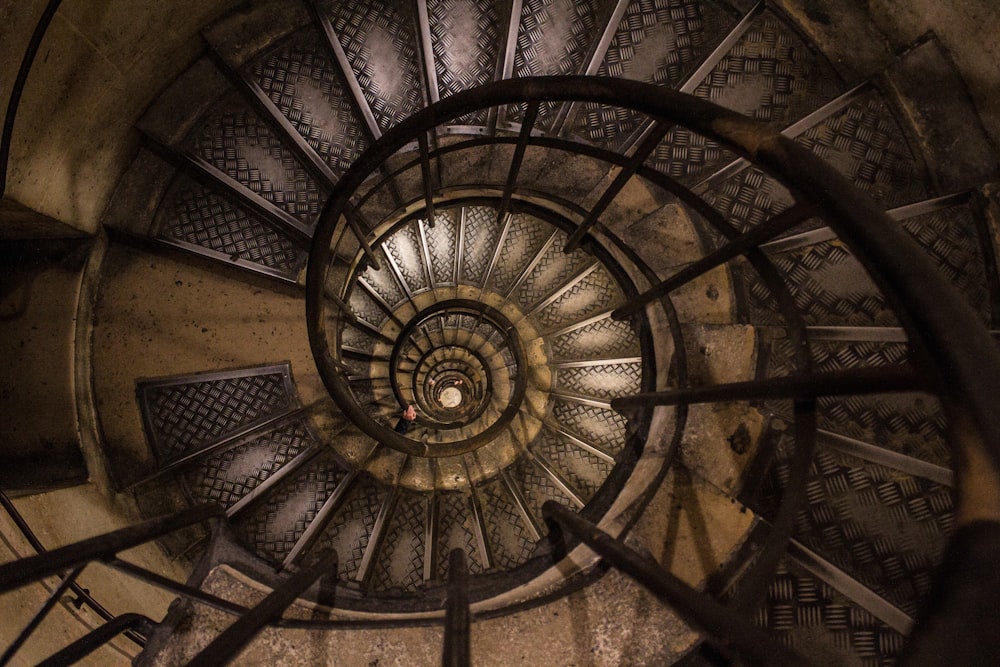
[[410, 413]]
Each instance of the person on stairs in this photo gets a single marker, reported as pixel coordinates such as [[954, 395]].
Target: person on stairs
[[406, 420]]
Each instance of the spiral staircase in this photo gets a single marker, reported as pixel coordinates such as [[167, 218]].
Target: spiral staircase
[[530, 266]]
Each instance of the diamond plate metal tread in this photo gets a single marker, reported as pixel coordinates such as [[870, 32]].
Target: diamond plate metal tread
[[508, 536], [379, 42], [366, 308], [911, 424], [537, 487], [383, 282], [226, 477], [556, 37], [865, 143], [882, 527], [183, 414], [442, 246], [194, 218], [310, 92], [525, 237], [605, 381], [404, 247], [596, 293], [481, 234], [584, 470], [274, 525], [357, 339], [553, 269], [238, 143], [603, 339], [808, 615], [657, 41], [749, 198], [400, 562], [456, 530], [465, 39], [829, 285], [351, 526], [769, 75], [602, 427], [950, 237]]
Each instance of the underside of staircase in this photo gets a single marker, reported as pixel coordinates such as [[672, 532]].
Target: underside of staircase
[[296, 254]]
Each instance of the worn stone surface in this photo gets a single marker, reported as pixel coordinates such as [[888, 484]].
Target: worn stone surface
[[157, 317], [721, 438]]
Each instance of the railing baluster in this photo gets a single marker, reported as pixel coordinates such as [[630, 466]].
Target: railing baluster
[[877, 380], [97, 638], [645, 148], [457, 617], [40, 615], [527, 123], [227, 645], [782, 222], [26, 570], [719, 622]]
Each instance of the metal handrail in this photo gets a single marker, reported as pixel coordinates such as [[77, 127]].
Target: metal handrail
[[76, 557], [930, 310], [720, 622], [82, 594], [14, 102]]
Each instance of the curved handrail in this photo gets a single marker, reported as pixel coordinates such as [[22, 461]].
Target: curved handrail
[[930, 310], [41, 28]]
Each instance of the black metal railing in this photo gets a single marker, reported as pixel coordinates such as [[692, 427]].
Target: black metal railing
[[953, 356], [933, 316]]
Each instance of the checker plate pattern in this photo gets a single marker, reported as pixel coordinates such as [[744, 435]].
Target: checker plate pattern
[[884, 528], [829, 285], [184, 416], [273, 526], [230, 475], [442, 245], [605, 381], [808, 615], [686, 155], [555, 37], [309, 91], [604, 338], [770, 75], [194, 215], [601, 427], [400, 563], [509, 539], [749, 198], [579, 467], [480, 240], [554, 268], [465, 38], [524, 239], [238, 143], [865, 144], [951, 239], [657, 41], [596, 293], [537, 487], [352, 525], [383, 282], [404, 246], [378, 40], [365, 308], [357, 338], [456, 530], [912, 424]]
